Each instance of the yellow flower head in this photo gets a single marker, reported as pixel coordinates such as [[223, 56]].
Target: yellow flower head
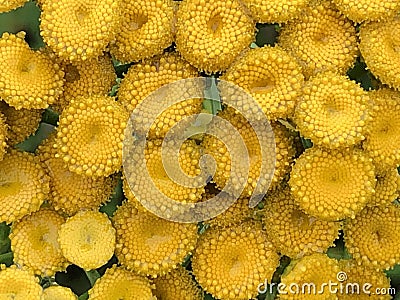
[[19, 284], [387, 187], [379, 46], [87, 30], [34, 242], [230, 263], [29, 79], [332, 184], [57, 292], [333, 111], [24, 185], [118, 283], [211, 34], [146, 29], [383, 132], [90, 134], [150, 245], [8, 5], [271, 76], [372, 237], [321, 39], [292, 231], [3, 135], [177, 284], [87, 239]]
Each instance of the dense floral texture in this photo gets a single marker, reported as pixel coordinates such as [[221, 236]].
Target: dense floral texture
[[211, 34], [32, 80], [145, 29], [387, 187], [3, 135], [91, 25], [87, 239], [24, 185], [332, 184], [7, 5], [57, 292], [90, 135], [379, 46], [333, 111], [230, 263], [19, 284], [372, 237], [321, 39]]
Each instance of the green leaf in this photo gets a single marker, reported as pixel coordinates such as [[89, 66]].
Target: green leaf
[[115, 87], [84, 296], [92, 275], [116, 199], [32, 142], [7, 258], [212, 99], [50, 117], [306, 143]]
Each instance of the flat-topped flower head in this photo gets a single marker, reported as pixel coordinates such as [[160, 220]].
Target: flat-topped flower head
[[57, 292], [19, 284]]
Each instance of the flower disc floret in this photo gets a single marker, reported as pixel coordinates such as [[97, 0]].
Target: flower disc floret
[[19, 284], [333, 111], [87, 239], [90, 134], [332, 184], [387, 187], [211, 34], [8, 5], [29, 79]]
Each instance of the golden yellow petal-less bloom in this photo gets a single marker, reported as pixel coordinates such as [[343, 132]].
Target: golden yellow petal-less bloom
[[118, 283], [362, 275], [318, 269], [3, 135], [77, 30], [19, 284], [24, 185], [34, 242], [372, 237], [230, 263], [387, 187], [57, 292], [21, 123], [151, 74], [29, 79], [333, 111], [145, 29], [368, 10], [292, 231], [94, 76], [379, 46], [271, 76], [177, 284], [275, 11], [8, 5], [321, 39], [332, 184], [150, 245], [90, 134], [71, 192], [211, 34], [87, 239], [383, 132]]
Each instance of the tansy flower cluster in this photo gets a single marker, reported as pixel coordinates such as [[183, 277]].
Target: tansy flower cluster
[[329, 85]]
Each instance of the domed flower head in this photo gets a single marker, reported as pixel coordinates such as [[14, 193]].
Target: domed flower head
[[368, 10], [230, 263], [307, 278], [177, 284], [29, 79], [387, 187], [118, 283], [292, 231], [379, 46], [150, 245], [211, 34], [333, 111], [332, 184], [87, 239], [34, 242], [275, 11], [8, 5], [372, 237], [85, 34], [271, 76], [19, 284], [90, 134], [57, 292], [145, 29], [321, 39], [24, 185], [383, 132]]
